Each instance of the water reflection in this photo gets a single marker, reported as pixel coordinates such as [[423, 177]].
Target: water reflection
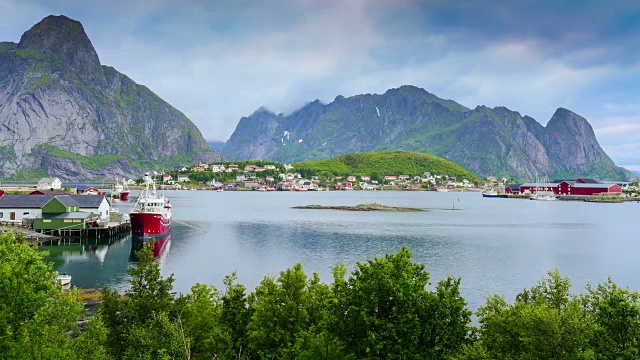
[[161, 246]]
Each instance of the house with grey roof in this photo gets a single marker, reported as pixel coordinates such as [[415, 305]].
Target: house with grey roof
[[49, 183]]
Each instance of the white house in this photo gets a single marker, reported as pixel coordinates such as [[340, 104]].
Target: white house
[[270, 167], [182, 178], [351, 178], [217, 168], [365, 178], [14, 208], [49, 183], [97, 204]]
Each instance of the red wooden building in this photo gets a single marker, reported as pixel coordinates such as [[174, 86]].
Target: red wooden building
[[581, 186], [1, 192]]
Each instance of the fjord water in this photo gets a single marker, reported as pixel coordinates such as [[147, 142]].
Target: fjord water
[[494, 245]]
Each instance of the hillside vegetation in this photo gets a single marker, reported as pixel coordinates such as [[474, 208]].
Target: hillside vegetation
[[381, 163]]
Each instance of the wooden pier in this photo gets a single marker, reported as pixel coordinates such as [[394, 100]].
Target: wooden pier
[[110, 229]]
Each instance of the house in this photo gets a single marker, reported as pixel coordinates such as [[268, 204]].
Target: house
[[240, 177], [49, 183], [233, 167], [217, 168], [183, 178], [14, 208], [250, 184], [198, 169], [184, 169], [166, 178], [374, 181], [49, 192], [288, 167], [259, 168], [204, 166], [390, 177], [404, 177], [62, 212], [96, 204], [1, 193], [269, 178], [581, 186], [351, 178], [512, 189], [250, 167], [249, 175], [269, 167]]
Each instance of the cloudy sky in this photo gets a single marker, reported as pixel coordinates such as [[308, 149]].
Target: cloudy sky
[[219, 60]]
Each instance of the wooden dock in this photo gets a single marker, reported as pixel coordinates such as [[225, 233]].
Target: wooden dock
[[110, 229]]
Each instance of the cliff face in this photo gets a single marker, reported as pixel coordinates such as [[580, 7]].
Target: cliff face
[[62, 113], [487, 141]]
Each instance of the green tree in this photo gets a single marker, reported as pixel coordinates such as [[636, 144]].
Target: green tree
[[286, 312], [384, 310], [615, 313], [545, 322], [236, 313], [147, 306]]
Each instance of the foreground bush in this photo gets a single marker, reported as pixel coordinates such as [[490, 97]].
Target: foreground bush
[[383, 309]]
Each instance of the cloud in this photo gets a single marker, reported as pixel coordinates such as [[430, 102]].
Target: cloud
[[220, 60]]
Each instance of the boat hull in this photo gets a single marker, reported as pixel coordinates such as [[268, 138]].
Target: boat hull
[[124, 196], [490, 195], [149, 224]]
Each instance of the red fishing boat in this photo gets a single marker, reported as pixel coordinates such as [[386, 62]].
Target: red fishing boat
[[151, 216]]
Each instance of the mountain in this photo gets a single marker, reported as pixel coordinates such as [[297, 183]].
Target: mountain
[[64, 114], [637, 173], [216, 145], [488, 141], [381, 163]]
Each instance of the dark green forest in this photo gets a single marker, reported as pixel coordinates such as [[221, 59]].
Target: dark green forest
[[385, 308]]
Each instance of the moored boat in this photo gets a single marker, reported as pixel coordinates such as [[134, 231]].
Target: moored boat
[[151, 215], [490, 194], [64, 280]]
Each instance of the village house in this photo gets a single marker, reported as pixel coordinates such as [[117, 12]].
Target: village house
[[288, 167], [240, 177], [404, 177], [184, 169], [166, 178], [269, 178], [365, 178], [270, 167], [250, 167], [250, 184], [49, 183], [249, 175], [259, 169], [390, 177], [351, 178], [183, 178], [198, 168], [217, 168], [233, 167]]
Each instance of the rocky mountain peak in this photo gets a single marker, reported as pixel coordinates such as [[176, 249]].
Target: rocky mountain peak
[[66, 44]]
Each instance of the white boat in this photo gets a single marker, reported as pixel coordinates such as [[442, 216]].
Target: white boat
[[442, 190], [544, 192], [490, 193], [219, 190], [64, 280]]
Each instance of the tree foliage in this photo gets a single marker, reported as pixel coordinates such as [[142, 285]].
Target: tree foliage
[[386, 308]]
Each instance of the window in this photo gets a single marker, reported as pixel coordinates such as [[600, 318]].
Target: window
[[25, 214], [1, 215], [67, 220], [76, 220], [46, 220]]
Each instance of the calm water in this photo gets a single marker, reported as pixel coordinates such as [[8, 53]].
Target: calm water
[[495, 245]]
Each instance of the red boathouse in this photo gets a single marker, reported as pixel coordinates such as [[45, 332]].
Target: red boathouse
[[581, 186]]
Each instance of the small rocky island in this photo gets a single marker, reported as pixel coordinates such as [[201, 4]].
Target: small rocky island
[[361, 207]]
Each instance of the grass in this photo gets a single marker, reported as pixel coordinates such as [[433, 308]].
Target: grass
[[389, 162]]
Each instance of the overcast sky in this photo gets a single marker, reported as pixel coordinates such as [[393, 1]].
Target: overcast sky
[[220, 60]]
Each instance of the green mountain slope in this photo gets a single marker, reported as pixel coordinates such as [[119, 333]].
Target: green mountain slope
[[487, 141], [63, 112], [381, 163]]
